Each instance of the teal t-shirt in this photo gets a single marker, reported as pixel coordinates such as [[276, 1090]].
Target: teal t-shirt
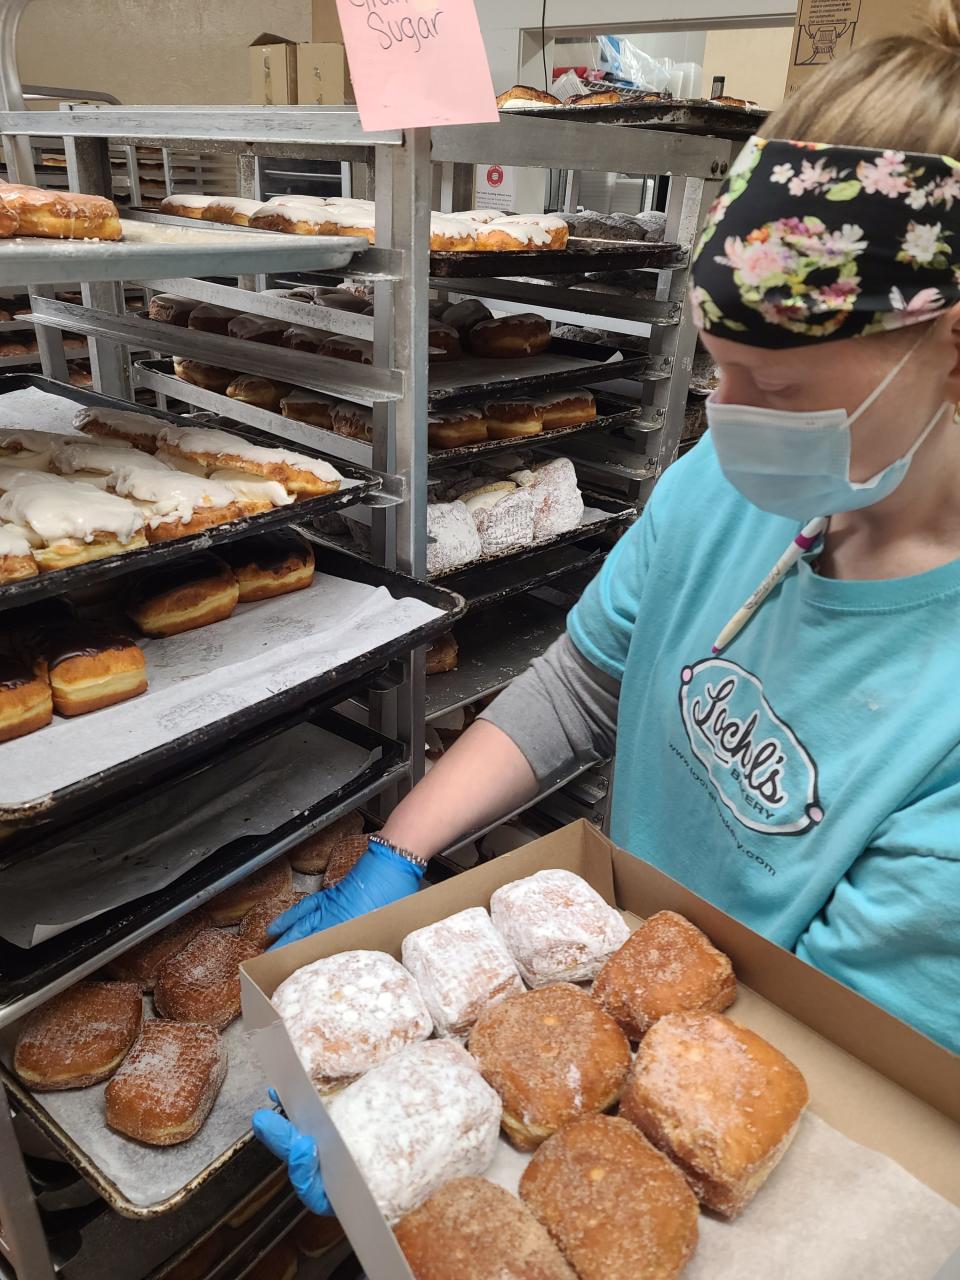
[[806, 780]]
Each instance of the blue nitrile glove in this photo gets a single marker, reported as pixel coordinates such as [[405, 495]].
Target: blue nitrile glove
[[379, 878], [300, 1153]]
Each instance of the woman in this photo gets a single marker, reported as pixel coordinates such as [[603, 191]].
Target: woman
[[807, 778]]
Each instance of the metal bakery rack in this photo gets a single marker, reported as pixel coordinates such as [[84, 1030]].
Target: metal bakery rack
[[514, 606]]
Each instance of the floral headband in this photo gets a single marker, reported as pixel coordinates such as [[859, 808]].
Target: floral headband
[[808, 242]]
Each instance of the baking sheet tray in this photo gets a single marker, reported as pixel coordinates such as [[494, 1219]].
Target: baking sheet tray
[[28, 977], [611, 416], [140, 1181], [580, 255], [567, 363], [699, 116], [41, 403], [487, 584], [138, 853], [212, 680], [151, 251], [600, 512]]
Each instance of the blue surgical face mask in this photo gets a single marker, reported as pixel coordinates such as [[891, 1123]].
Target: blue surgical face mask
[[797, 465]]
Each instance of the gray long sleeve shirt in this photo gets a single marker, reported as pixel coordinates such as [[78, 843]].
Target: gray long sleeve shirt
[[561, 711]]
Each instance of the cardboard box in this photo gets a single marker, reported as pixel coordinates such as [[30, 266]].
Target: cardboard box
[[326, 22], [872, 1077], [323, 74], [826, 29], [273, 70]]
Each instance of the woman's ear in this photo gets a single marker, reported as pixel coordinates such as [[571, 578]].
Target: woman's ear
[[950, 321]]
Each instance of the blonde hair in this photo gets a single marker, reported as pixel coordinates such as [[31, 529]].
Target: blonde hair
[[899, 92]]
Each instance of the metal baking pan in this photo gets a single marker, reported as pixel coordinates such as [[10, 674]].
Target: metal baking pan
[[151, 251], [488, 584], [611, 416], [495, 645], [580, 255], [580, 364], [31, 975], [362, 483], [165, 740], [602, 512], [159, 376], [243, 1248], [699, 116]]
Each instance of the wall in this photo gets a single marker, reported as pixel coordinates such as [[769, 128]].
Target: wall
[[193, 51], [167, 51], [755, 62], [503, 20]]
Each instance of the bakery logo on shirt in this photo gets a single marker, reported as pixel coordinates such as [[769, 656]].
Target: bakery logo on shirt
[[759, 767]]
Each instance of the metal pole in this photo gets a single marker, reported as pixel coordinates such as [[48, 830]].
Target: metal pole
[[687, 203], [19, 153], [22, 1228], [88, 170]]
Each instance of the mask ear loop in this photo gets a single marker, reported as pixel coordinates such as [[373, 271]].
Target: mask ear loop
[[881, 387]]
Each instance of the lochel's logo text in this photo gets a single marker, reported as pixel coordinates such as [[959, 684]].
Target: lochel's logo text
[[761, 770]]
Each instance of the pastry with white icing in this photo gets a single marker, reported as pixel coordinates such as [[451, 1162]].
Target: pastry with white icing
[[254, 493], [16, 554], [88, 458], [213, 449], [348, 1012], [450, 233], [76, 522], [524, 231], [417, 1121], [461, 965], [481, 216], [175, 503], [556, 927], [141, 430]]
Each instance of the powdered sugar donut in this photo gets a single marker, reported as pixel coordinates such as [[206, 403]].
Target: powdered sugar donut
[[452, 537], [504, 524], [348, 1012], [417, 1121], [461, 965], [556, 927], [558, 503]]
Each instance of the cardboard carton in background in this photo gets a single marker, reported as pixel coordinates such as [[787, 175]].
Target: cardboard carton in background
[[322, 74], [872, 1077], [827, 29], [273, 70]]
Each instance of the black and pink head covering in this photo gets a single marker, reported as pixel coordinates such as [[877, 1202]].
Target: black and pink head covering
[[808, 242]]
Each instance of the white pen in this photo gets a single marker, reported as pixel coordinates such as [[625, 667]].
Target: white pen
[[804, 541]]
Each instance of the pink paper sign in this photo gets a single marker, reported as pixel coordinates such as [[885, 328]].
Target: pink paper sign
[[417, 63]]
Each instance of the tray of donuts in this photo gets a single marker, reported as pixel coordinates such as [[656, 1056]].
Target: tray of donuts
[[511, 506], [503, 422], [122, 488], [565, 1057], [488, 241], [175, 664], [141, 1075]]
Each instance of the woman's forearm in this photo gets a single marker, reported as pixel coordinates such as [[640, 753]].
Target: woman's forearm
[[483, 777]]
